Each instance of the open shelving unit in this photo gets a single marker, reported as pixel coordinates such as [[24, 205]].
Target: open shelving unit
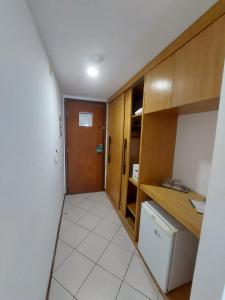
[[133, 143]]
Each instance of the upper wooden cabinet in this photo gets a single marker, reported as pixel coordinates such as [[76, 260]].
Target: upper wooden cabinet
[[199, 66], [158, 86], [215, 55]]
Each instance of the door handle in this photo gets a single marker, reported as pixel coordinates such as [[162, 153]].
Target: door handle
[[109, 149], [124, 156]]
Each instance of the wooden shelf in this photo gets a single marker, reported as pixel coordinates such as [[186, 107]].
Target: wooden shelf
[[137, 116], [130, 223], [132, 208], [178, 205], [135, 182]]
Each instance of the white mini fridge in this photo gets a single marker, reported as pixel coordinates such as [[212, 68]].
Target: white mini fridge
[[167, 247]]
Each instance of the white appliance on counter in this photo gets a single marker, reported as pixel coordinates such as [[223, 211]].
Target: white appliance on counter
[[167, 247]]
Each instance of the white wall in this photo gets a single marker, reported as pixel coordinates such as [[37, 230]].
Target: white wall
[[194, 149], [31, 184], [209, 277]]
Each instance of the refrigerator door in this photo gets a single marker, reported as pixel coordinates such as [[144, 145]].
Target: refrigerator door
[[156, 241]]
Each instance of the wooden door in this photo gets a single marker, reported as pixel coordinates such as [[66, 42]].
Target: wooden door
[[158, 86], [115, 147], [126, 150], [85, 128]]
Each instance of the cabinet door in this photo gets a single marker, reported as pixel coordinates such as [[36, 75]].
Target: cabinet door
[[115, 146], [158, 86], [189, 71], [126, 150], [215, 55], [199, 66]]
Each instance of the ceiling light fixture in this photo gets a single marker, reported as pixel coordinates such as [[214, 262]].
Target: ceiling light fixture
[[92, 70]]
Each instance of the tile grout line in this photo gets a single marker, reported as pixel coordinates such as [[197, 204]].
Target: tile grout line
[[63, 286], [97, 261], [109, 242], [74, 249], [125, 274]]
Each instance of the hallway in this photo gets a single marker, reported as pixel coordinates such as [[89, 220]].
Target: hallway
[[95, 258]]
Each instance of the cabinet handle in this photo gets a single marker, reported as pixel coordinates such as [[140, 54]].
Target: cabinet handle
[[124, 156], [109, 151]]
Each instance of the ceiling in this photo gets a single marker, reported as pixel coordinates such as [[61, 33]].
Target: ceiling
[[128, 33]]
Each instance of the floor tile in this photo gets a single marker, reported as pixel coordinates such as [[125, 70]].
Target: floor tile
[[97, 197], [93, 246], [113, 217], [128, 293], [75, 214], [67, 206], [100, 285], [106, 229], [65, 225], [74, 235], [72, 273], [57, 292], [71, 201], [115, 260], [62, 252], [101, 209], [138, 277], [87, 204], [89, 221], [122, 239]]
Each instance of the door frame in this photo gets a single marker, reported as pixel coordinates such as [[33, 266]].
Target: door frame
[[66, 100]]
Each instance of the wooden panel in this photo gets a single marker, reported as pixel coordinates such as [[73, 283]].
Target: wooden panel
[[157, 147], [126, 136], [215, 55], [215, 12], [140, 198], [199, 66], [189, 71], [115, 132], [178, 205], [181, 293], [158, 86]]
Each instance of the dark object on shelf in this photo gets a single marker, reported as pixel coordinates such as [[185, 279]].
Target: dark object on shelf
[[174, 185]]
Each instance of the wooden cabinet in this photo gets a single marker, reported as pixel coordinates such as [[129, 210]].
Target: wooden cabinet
[[189, 71], [126, 150], [158, 86], [199, 66], [215, 55], [115, 146]]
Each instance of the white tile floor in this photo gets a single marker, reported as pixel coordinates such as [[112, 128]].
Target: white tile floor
[[95, 258]]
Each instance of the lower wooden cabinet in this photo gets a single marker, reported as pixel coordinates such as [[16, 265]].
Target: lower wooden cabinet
[[115, 146]]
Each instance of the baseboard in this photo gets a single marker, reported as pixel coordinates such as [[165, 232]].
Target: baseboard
[[53, 259]]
